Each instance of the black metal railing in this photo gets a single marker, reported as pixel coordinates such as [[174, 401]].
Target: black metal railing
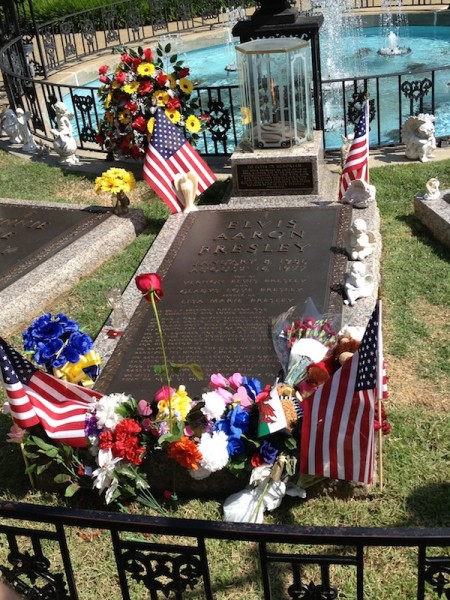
[[28, 62], [159, 557]]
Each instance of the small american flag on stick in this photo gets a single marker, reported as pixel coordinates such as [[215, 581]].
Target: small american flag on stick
[[357, 162], [339, 418], [38, 398], [169, 154]]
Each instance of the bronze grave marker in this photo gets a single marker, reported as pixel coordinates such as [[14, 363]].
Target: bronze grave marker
[[228, 275], [29, 235]]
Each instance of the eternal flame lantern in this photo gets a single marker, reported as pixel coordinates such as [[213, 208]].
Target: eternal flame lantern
[[276, 96]]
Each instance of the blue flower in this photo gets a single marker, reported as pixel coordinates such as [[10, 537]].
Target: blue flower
[[47, 350], [69, 325], [235, 445], [222, 425], [239, 421], [253, 386], [268, 452], [81, 342]]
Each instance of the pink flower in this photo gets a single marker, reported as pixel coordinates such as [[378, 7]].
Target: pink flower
[[144, 408], [242, 397], [164, 393], [15, 434], [226, 395], [218, 381], [235, 380]]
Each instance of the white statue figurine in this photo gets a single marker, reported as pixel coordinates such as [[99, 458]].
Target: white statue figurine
[[359, 242], [418, 137], [10, 125], [357, 284], [359, 194], [64, 143], [29, 145], [186, 185], [433, 192]]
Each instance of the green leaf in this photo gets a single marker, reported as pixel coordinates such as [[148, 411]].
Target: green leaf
[[167, 48], [42, 468], [158, 369], [159, 51], [71, 490], [173, 59], [62, 478], [30, 469]]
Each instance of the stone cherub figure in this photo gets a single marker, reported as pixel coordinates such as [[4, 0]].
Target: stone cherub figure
[[433, 192], [359, 242], [64, 143], [359, 194], [29, 145], [10, 125], [357, 284], [418, 137]]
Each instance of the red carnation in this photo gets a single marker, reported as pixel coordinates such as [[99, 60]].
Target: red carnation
[[136, 62], [140, 123], [173, 104], [131, 106], [148, 55], [161, 79], [184, 72], [146, 87], [120, 76], [148, 284], [103, 70], [126, 58]]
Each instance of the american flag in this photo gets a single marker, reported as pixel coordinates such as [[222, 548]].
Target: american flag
[[38, 398], [357, 162], [168, 154], [338, 423]]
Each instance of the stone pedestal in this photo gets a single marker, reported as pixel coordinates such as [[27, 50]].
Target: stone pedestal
[[279, 171], [435, 215]]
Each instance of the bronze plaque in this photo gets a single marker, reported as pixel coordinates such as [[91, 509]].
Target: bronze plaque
[[291, 177], [229, 274], [30, 235]]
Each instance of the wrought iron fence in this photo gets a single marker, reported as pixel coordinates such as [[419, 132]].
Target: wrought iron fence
[[159, 557], [28, 62]]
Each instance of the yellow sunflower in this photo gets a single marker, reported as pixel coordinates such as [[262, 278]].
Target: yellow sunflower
[[193, 124], [125, 117], [174, 115], [131, 88], [108, 100], [171, 80], [150, 125], [160, 98], [146, 69], [186, 86]]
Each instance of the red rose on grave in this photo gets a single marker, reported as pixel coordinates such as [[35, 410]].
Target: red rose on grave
[[148, 55], [184, 72], [140, 124], [148, 284], [103, 70], [120, 76]]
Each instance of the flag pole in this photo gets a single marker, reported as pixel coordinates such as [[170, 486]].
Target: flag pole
[[380, 396], [366, 108]]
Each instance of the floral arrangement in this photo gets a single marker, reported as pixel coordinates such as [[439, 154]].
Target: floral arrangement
[[115, 181], [132, 93], [241, 425], [58, 344]]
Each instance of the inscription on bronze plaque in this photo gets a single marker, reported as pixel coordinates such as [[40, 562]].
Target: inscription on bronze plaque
[[30, 235], [275, 176], [229, 275]]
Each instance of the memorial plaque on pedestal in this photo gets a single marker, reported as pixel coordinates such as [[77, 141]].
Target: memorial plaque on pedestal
[[29, 235], [229, 275], [293, 177]]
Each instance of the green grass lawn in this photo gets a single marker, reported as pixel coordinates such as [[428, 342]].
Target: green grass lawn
[[415, 289]]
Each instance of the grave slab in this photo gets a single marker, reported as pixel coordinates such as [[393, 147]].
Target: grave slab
[[46, 249], [435, 215], [227, 275]]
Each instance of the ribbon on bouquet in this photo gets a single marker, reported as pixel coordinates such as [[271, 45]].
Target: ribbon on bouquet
[[74, 372]]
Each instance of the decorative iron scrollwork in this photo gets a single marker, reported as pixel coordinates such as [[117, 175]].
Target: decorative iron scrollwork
[[26, 573], [415, 90], [87, 29], [109, 18], [164, 572], [49, 44], [66, 30], [134, 19], [312, 592], [84, 105], [219, 122], [355, 107], [438, 576]]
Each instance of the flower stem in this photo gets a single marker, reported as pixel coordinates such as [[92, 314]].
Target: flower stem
[[166, 366]]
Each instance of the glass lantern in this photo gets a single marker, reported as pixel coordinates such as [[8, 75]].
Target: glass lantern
[[275, 77]]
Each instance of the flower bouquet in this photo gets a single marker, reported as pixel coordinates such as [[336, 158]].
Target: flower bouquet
[[132, 93], [118, 182], [58, 344]]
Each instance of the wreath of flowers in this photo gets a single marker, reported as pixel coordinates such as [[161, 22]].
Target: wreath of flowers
[[132, 93]]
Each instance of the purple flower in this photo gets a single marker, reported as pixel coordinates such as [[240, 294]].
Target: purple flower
[[268, 452]]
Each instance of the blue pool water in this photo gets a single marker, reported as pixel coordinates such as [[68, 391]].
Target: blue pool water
[[430, 48]]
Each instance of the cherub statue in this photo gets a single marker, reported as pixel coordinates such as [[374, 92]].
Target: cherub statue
[[359, 194], [64, 143], [433, 192], [418, 137], [10, 125], [359, 242], [357, 284], [29, 145]]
